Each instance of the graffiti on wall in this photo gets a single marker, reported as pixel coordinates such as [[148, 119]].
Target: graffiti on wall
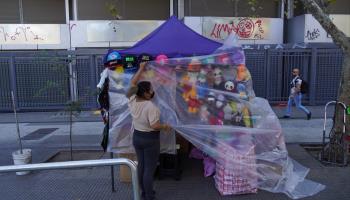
[[275, 46], [29, 34], [312, 34], [245, 28]]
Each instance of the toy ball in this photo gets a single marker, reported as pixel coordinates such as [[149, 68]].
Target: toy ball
[[162, 59]]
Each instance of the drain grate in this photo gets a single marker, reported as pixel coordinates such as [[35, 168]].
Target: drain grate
[[38, 134]]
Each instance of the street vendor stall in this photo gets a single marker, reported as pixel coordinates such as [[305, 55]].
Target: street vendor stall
[[209, 100]]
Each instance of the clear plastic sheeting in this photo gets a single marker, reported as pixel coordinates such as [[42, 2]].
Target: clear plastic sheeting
[[121, 130], [210, 101]]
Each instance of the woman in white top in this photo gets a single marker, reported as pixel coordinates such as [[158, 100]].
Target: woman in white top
[[146, 121]]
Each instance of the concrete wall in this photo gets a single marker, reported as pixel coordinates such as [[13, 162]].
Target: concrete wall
[[296, 29], [9, 12], [305, 28], [128, 9]]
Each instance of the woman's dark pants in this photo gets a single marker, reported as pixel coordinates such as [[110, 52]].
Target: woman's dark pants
[[147, 146]]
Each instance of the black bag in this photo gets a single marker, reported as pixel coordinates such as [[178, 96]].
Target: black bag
[[304, 88], [104, 142]]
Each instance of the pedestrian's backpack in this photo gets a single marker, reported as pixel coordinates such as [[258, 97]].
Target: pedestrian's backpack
[[304, 88]]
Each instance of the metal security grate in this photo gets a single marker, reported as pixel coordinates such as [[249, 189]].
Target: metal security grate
[[86, 81], [329, 65], [42, 82], [280, 65], [5, 84], [256, 63]]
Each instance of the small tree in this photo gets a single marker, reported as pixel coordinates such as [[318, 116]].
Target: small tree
[[112, 9], [73, 108]]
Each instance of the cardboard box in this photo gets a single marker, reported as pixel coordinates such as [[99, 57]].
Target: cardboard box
[[124, 171]]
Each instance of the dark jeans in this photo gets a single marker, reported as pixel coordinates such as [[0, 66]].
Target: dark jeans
[[147, 147]]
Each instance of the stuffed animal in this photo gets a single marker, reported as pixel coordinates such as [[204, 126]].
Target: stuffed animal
[[189, 80], [242, 91], [230, 86], [204, 113], [219, 82], [186, 87], [193, 103], [218, 78], [220, 104], [242, 73], [227, 114], [202, 85], [210, 101], [237, 115]]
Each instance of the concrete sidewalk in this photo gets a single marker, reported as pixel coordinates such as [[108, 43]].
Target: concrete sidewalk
[[94, 183]]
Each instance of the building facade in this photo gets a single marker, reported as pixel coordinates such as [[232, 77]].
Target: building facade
[[276, 37]]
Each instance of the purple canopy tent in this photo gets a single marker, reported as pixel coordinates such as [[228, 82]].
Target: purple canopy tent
[[173, 38]]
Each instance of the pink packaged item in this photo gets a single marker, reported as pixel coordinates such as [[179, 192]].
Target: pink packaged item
[[237, 175]]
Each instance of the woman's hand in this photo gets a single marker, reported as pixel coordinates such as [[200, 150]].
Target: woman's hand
[[166, 128], [137, 76], [142, 66]]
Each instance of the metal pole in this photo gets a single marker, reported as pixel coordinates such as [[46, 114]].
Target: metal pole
[[66, 4], [78, 164], [75, 10], [112, 174]]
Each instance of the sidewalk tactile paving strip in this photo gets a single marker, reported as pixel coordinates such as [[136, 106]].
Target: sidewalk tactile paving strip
[[39, 133]]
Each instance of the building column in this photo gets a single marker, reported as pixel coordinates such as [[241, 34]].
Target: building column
[[66, 6], [290, 9], [171, 7], [20, 7], [181, 9], [75, 9], [281, 9]]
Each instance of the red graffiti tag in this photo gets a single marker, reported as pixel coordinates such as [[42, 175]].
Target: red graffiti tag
[[244, 28]]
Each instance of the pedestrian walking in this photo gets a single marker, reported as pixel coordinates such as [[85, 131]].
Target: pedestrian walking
[[146, 139], [296, 95]]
